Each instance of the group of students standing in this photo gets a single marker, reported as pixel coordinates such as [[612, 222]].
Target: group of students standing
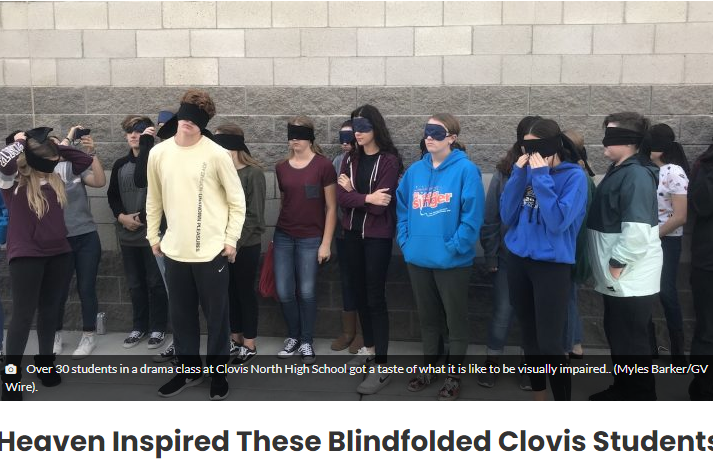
[[190, 215]]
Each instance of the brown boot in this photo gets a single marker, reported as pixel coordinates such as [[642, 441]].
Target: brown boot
[[349, 320], [358, 340]]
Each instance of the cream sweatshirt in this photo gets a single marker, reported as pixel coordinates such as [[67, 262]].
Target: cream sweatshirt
[[198, 189]]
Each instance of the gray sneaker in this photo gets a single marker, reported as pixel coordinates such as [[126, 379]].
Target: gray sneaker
[[373, 383]]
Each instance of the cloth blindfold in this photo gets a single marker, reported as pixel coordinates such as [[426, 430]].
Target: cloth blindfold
[[40, 164], [193, 113], [165, 116], [660, 143], [545, 147], [299, 132], [138, 127], [231, 142], [620, 136], [346, 136], [435, 131], [362, 125]]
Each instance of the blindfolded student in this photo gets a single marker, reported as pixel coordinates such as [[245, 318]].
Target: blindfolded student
[[351, 336], [192, 180], [668, 155], [367, 182], [625, 252], [38, 252], [127, 201], [303, 233], [84, 239], [440, 203], [543, 205], [242, 295]]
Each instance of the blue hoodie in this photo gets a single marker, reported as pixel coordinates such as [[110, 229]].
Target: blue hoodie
[[439, 212], [544, 209]]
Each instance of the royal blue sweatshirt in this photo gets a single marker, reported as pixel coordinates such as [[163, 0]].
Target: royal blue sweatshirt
[[544, 209], [439, 212]]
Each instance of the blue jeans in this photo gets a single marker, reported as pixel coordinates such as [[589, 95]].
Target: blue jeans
[[86, 254], [671, 246], [573, 330], [296, 270], [503, 313]]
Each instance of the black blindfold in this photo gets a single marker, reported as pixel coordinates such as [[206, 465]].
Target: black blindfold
[[231, 142], [299, 132], [619, 136]]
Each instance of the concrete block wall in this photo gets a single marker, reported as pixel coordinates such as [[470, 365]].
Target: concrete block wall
[[490, 63]]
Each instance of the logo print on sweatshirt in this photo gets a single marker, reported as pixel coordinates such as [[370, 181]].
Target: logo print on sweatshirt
[[530, 199], [431, 200]]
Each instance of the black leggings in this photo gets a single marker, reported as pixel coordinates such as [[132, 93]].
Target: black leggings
[[38, 284], [369, 262], [539, 293], [243, 299]]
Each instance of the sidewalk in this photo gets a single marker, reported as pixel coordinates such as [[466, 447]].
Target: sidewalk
[[318, 387]]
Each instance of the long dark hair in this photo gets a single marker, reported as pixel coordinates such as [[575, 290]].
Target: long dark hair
[[673, 151], [548, 128], [505, 164], [382, 137]]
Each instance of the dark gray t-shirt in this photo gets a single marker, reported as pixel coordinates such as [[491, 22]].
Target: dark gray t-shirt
[[77, 214], [134, 200]]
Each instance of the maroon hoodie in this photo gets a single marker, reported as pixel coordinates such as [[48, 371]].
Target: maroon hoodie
[[379, 221], [28, 236]]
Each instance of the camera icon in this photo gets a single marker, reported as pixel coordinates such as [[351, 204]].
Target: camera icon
[[10, 369]]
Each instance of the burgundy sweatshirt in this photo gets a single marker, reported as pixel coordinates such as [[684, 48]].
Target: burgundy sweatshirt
[[28, 236]]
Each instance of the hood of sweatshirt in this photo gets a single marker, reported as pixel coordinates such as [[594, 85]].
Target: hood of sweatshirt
[[440, 212]]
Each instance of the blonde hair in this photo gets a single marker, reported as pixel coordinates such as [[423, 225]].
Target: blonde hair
[[304, 121], [239, 156], [31, 179]]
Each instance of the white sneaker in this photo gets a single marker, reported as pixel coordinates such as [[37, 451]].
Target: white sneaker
[[373, 383], [363, 357], [57, 348], [86, 345]]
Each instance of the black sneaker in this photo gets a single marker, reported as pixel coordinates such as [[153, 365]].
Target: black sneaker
[[244, 355], [487, 379], [612, 393], [134, 338], [219, 388], [178, 384], [234, 348], [156, 340], [307, 352], [166, 355], [291, 345]]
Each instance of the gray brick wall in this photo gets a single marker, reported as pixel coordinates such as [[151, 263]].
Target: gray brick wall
[[490, 63]]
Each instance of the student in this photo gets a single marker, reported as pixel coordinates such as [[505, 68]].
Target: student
[[625, 252], [700, 194], [84, 240], [192, 181], [492, 239], [367, 182], [128, 203], [440, 211], [38, 252], [303, 233], [582, 270], [543, 204], [667, 154], [351, 336], [243, 298]]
